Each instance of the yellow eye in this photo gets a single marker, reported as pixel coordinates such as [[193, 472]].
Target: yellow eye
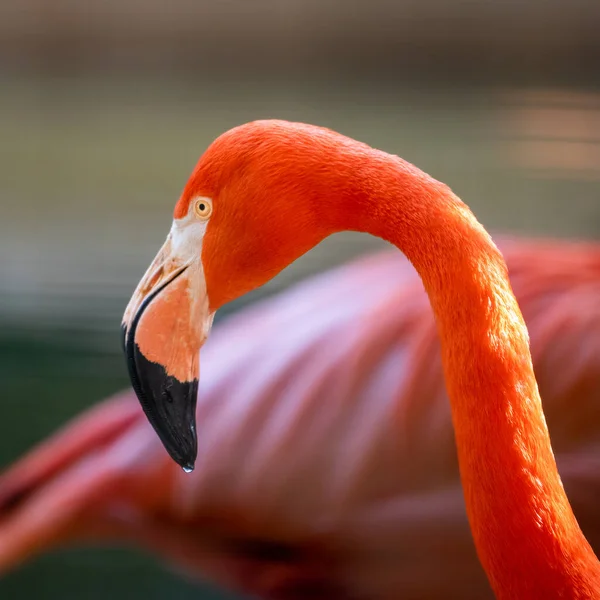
[[203, 208]]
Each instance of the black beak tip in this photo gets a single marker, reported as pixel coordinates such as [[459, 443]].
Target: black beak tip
[[187, 467], [183, 450], [169, 404]]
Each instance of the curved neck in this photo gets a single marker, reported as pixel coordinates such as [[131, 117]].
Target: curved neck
[[526, 535]]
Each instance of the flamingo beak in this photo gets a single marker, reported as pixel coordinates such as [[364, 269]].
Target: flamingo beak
[[164, 326]]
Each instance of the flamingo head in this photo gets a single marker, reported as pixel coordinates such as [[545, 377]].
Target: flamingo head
[[250, 208]]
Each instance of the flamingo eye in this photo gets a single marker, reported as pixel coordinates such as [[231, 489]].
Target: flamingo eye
[[203, 208]]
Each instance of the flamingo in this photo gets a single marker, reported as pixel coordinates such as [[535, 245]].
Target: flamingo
[[395, 523], [265, 193]]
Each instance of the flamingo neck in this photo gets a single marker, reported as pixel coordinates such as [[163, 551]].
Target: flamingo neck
[[526, 535]]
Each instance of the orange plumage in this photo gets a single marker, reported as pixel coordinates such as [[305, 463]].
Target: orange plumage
[[327, 463]]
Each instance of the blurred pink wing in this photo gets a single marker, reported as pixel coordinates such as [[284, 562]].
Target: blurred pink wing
[[326, 459]]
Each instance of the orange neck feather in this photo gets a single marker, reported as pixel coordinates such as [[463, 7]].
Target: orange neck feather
[[527, 537]]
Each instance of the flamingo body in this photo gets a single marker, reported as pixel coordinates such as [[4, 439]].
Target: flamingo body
[[326, 456]]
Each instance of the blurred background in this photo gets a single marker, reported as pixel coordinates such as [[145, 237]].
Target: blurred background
[[106, 106]]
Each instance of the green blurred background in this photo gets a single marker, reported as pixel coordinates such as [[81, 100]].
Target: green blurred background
[[106, 106]]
